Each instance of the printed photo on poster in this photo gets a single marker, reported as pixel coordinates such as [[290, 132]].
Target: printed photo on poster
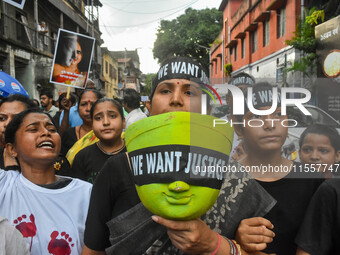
[[72, 59], [17, 3], [327, 37]]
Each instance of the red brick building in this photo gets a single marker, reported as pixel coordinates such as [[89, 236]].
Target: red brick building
[[216, 60], [253, 38]]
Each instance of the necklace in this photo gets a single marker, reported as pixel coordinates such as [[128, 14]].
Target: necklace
[[110, 153]]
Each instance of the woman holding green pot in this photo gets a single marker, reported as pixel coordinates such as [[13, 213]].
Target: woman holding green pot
[[114, 191]]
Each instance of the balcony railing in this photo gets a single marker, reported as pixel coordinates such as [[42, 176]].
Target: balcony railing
[[20, 33]]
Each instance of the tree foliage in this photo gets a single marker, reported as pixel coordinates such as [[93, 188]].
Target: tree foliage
[[305, 41], [304, 38], [181, 36]]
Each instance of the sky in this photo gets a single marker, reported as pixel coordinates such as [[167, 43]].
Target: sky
[[133, 24]]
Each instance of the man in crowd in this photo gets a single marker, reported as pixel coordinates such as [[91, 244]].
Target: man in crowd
[[46, 99], [131, 105]]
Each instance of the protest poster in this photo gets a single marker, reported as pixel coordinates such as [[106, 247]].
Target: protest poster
[[72, 59], [17, 3]]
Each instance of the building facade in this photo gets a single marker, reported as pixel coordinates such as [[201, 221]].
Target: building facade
[[254, 37], [28, 38], [110, 73], [216, 61], [129, 73]]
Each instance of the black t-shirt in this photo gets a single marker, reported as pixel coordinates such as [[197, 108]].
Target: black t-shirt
[[62, 182], [56, 119], [68, 139], [113, 193], [89, 161], [292, 194], [320, 230]]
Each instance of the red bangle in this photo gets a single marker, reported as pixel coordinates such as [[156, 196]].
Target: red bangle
[[218, 245]]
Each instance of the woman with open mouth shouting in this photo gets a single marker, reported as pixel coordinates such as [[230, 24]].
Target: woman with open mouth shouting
[[48, 210]]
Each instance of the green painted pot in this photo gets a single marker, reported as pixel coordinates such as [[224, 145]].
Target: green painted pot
[[175, 157]]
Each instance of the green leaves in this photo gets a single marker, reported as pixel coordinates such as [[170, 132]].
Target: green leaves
[[304, 38], [181, 36], [305, 41], [314, 16], [228, 68]]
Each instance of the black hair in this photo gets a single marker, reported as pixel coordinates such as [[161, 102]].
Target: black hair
[[19, 98], [199, 76], [131, 98], [260, 85], [96, 92], [242, 79], [16, 122], [46, 93], [36, 102], [113, 101], [119, 100], [328, 131]]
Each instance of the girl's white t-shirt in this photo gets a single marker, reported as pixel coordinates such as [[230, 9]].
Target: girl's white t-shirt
[[52, 221]]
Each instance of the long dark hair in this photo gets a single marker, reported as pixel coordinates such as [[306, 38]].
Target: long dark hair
[[19, 98]]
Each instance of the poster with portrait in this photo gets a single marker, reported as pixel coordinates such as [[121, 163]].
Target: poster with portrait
[[327, 37], [72, 59], [17, 3]]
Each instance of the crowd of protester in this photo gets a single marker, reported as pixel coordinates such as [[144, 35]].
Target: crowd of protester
[[64, 206]]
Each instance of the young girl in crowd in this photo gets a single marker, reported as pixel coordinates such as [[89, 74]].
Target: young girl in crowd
[[320, 149], [48, 210], [107, 122], [9, 107], [276, 230], [320, 230], [87, 98], [290, 186], [114, 189]]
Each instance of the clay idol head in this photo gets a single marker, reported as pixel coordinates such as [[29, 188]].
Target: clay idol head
[[168, 151], [176, 167]]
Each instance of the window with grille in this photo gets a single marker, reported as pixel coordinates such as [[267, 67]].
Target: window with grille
[[281, 22], [266, 33]]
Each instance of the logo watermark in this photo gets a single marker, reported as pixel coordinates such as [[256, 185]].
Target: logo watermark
[[272, 97]]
